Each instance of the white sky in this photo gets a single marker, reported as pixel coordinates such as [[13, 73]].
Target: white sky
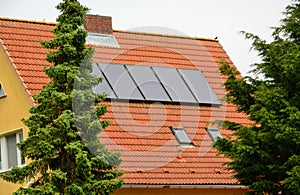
[[200, 18]]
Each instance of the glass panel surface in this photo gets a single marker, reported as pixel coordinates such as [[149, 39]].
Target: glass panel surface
[[174, 84], [102, 87], [121, 82], [12, 151], [182, 137], [214, 134], [199, 86], [148, 83], [102, 39]]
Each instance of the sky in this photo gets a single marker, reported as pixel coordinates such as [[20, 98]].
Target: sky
[[198, 18]]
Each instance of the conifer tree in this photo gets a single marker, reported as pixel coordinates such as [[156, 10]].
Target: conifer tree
[[64, 153], [266, 153]]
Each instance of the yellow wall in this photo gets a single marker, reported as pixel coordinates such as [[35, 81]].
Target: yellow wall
[[179, 191], [13, 107]]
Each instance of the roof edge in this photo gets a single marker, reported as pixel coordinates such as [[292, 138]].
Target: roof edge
[[13, 66], [166, 35], [203, 186], [28, 21]]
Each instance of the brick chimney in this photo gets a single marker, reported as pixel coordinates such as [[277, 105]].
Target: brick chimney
[[98, 24]]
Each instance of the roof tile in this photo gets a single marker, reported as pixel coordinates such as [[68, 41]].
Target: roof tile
[[140, 131]]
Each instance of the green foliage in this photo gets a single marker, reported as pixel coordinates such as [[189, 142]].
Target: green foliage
[[65, 155], [266, 153]]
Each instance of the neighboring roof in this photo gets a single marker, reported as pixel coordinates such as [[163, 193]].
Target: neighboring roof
[[21, 40], [141, 130]]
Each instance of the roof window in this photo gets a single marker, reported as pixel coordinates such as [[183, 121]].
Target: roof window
[[214, 134], [181, 136], [2, 92], [108, 40]]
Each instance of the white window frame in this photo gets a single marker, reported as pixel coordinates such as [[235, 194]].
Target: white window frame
[[4, 149]]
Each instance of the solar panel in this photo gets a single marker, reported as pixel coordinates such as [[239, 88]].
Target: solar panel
[[102, 87], [174, 84], [148, 83], [199, 86], [154, 84], [121, 82]]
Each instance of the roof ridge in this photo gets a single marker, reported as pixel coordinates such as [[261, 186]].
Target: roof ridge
[[121, 31], [166, 35], [27, 21]]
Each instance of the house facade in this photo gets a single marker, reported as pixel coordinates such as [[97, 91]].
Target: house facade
[[14, 104], [163, 92]]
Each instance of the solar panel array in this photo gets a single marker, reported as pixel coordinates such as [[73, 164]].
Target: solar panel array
[[149, 83]]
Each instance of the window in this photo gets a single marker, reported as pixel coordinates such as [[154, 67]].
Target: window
[[181, 136], [102, 40], [2, 92], [10, 156], [214, 134]]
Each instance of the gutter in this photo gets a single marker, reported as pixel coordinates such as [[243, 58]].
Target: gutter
[[186, 186]]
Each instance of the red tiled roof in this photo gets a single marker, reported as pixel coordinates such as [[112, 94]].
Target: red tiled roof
[[141, 131]]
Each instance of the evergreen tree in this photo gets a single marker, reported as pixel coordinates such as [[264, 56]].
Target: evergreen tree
[[64, 153], [266, 153]]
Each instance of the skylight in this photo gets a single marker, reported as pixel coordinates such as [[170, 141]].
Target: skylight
[[108, 40], [214, 134], [181, 136], [154, 84]]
